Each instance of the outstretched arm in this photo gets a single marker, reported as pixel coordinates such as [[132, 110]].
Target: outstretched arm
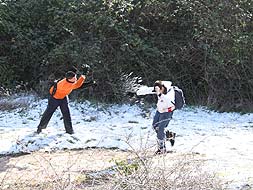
[[79, 82], [145, 90]]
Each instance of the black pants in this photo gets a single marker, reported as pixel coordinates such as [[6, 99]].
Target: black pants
[[51, 107]]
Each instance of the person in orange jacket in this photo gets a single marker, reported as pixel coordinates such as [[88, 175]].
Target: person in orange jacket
[[59, 97]]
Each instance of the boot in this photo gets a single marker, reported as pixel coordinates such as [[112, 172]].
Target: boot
[[70, 132], [170, 136], [161, 147], [160, 151], [39, 130]]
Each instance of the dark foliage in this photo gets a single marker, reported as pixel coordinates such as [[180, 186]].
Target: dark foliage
[[204, 47]]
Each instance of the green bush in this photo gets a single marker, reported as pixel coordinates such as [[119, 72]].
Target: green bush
[[203, 47]]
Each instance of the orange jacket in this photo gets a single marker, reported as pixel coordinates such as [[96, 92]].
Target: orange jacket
[[64, 87]]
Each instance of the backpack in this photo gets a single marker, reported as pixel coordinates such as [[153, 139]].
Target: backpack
[[179, 98], [54, 85]]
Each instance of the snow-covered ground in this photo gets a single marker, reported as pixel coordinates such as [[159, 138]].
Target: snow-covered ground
[[223, 138]]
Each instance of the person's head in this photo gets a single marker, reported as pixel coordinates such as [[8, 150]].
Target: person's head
[[159, 87], [71, 76]]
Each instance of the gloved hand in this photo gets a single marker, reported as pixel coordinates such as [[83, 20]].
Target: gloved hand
[[85, 69], [171, 109]]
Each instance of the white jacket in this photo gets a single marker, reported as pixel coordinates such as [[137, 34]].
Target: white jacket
[[166, 101]]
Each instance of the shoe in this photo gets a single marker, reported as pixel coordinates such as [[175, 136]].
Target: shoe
[[160, 151], [172, 142], [38, 130], [170, 136], [70, 132]]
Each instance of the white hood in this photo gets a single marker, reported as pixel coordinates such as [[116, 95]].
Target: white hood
[[167, 84]]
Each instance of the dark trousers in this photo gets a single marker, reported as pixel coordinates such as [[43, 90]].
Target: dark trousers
[[51, 107], [160, 122]]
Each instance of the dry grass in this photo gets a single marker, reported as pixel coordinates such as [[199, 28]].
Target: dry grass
[[106, 169], [170, 171]]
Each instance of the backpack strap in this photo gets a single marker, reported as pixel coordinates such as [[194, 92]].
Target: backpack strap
[[172, 87], [55, 87]]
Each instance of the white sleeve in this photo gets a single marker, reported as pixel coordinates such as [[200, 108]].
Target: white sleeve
[[144, 90]]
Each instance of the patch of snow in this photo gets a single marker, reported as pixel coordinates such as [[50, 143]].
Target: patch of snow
[[223, 138]]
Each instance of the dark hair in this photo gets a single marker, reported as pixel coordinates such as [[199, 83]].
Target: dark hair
[[160, 85], [70, 74]]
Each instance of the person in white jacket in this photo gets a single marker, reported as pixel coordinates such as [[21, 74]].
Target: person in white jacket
[[165, 107]]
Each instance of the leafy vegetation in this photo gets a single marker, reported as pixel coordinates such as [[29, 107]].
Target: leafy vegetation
[[205, 47]]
